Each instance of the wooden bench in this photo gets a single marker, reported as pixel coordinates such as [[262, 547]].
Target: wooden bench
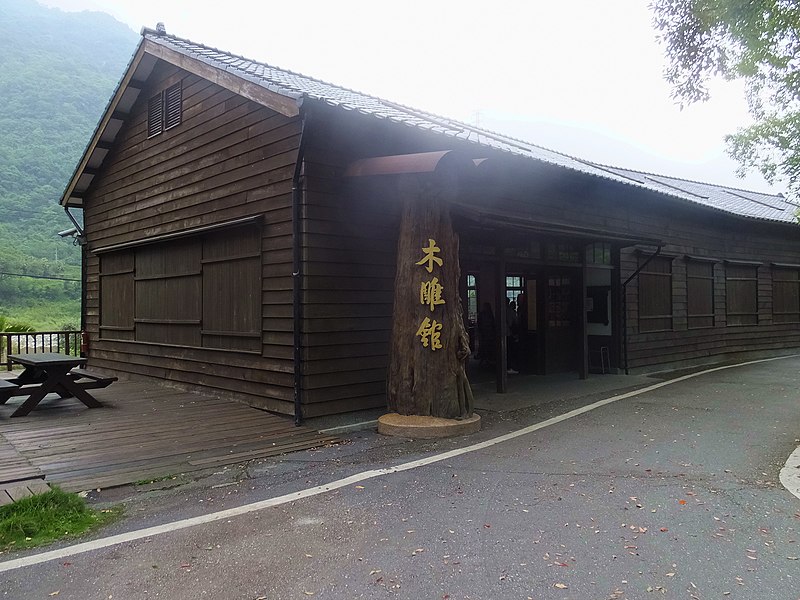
[[7, 389], [96, 380]]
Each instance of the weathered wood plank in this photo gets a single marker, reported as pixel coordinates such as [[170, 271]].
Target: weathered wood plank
[[155, 432]]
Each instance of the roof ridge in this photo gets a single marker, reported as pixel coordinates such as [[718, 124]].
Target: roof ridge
[[296, 73], [153, 32], [503, 137], [299, 86]]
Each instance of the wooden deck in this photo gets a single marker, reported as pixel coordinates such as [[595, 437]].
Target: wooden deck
[[14, 467], [142, 432]]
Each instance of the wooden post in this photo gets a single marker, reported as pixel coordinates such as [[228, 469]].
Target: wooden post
[[583, 364], [502, 327], [429, 341]]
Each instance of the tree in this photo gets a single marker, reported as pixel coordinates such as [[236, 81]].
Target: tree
[[429, 341], [757, 41]]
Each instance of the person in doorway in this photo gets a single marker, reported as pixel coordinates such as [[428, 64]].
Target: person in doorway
[[522, 332], [486, 335], [522, 312], [512, 337]]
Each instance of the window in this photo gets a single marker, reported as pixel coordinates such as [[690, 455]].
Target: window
[[786, 295], [155, 115], [598, 253], [195, 291], [563, 252], [232, 290], [700, 293], [173, 104], [164, 110], [655, 294], [472, 298], [515, 285], [116, 295], [741, 290], [168, 282]]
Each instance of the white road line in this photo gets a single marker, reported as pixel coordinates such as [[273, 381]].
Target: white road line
[[149, 532], [790, 473]]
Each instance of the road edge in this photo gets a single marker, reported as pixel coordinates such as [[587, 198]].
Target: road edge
[[150, 532]]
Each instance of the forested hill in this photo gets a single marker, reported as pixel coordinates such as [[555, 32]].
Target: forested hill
[[57, 73]]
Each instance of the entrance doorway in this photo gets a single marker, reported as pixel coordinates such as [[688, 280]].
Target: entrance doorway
[[561, 321], [546, 335], [563, 296]]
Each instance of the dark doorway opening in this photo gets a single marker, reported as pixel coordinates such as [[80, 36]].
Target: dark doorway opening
[[542, 321]]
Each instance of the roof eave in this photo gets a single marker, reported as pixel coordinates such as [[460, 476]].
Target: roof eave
[[147, 54], [67, 198]]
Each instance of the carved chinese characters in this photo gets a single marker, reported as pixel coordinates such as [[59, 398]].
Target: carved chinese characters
[[430, 295]]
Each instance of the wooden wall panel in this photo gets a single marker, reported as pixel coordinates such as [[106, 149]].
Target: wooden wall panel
[[349, 247], [229, 158], [550, 196]]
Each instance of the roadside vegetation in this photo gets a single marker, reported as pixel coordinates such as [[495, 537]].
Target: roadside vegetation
[[48, 517], [63, 315], [57, 72]]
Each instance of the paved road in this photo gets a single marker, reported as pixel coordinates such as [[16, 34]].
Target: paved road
[[673, 493]]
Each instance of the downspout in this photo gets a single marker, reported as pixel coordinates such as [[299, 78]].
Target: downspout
[[297, 273], [625, 305]]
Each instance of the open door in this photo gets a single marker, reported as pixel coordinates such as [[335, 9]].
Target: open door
[[561, 321]]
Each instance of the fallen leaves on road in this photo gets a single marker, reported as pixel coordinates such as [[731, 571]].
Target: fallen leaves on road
[[561, 586]]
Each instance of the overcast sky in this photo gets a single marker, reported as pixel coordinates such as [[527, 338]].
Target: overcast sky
[[582, 77]]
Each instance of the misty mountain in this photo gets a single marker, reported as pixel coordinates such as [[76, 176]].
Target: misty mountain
[[57, 73]]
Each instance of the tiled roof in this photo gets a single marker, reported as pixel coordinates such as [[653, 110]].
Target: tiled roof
[[293, 85], [772, 207]]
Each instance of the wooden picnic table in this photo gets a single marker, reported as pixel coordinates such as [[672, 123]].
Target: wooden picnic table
[[49, 372]]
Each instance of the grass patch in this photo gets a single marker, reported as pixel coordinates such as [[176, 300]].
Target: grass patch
[[47, 517], [155, 480], [45, 315]]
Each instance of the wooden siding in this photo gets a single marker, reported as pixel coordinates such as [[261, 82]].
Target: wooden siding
[[349, 246], [228, 158], [721, 238], [231, 158], [546, 194], [348, 291]]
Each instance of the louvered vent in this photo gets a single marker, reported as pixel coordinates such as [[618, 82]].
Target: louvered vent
[[172, 106], [155, 115]]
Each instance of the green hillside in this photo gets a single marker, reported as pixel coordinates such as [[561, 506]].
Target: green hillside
[[57, 72]]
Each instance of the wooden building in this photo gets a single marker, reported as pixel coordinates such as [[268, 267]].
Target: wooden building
[[241, 224]]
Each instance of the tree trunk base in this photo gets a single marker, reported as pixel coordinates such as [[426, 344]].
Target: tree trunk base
[[422, 428]]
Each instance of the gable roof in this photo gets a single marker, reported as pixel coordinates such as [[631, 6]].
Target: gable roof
[[285, 91]]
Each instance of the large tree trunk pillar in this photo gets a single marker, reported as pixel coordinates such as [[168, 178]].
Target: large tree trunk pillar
[[429, 341]]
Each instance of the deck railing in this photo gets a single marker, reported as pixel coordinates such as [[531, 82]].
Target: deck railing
[[65, 342]]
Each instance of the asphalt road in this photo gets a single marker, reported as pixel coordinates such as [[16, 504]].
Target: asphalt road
[[673, 493]]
